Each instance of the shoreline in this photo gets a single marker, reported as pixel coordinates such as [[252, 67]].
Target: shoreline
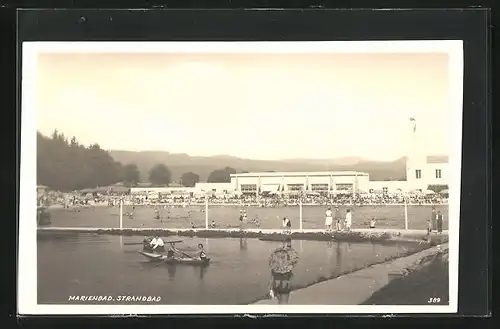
[[355, 235], [369, 281]]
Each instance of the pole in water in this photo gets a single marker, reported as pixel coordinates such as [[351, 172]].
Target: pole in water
[[121, 213], [406, 214]]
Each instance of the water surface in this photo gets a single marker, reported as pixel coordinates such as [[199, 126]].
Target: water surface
[[91, 264]]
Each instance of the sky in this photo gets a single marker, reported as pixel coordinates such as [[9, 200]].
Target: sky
[[257, 106]]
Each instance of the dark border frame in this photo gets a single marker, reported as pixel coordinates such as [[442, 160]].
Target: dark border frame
[[470, 25]]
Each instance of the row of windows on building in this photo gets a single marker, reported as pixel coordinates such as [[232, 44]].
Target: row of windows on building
[[300, 187], [418, 173]]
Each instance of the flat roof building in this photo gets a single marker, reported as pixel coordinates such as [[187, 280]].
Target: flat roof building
[[295, 182]]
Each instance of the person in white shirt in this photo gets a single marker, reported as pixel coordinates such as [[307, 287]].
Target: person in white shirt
[[156, 242], [348, 220], [287, 225], [328, 219]]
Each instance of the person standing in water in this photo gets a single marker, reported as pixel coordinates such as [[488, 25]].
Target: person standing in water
[[282, 261]]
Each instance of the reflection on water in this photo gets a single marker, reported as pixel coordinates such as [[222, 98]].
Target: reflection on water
[[238, 273], [243, 244]]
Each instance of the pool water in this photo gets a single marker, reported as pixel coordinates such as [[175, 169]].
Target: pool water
[[91, 264]]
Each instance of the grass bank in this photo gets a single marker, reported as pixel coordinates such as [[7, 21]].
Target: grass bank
[[424, 283]]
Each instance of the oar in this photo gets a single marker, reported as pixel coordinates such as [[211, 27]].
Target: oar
[[140, 243], [182, 253]]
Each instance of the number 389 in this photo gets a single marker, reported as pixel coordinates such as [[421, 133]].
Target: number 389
[[434, 300]]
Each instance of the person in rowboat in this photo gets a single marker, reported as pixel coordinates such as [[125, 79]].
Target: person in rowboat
[[171, 251], [156, 243], [201, 254]]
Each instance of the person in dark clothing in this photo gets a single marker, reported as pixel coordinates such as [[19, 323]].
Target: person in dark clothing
[[201, 254], [439, 222], [433, 219], [282, 262]]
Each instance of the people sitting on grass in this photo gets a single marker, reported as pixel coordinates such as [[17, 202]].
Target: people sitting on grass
[[255, 221], [213, 225]]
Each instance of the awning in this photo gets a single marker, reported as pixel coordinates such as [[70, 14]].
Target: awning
[[270, 188]]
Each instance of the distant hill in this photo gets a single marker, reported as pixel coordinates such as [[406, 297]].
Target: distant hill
[[180, 163]]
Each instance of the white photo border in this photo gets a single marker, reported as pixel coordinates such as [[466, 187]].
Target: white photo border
[[27, 255]]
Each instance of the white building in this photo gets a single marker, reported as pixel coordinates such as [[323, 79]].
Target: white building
[[214, 188], [290, 182], [422, 171]]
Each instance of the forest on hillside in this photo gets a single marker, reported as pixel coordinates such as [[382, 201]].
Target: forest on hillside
[[64, 164]]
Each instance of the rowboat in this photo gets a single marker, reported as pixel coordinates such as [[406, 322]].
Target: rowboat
[[188, 261], [175, 260], [147, 248], [152, 256]]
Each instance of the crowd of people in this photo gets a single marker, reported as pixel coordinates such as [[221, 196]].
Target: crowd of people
[[77, 200]]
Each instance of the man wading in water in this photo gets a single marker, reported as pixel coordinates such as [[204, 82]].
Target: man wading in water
[[282, 262]]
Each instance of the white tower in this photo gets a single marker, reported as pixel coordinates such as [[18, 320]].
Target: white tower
[[416, 158]]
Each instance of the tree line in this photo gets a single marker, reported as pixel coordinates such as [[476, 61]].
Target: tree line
[[67, 165]]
